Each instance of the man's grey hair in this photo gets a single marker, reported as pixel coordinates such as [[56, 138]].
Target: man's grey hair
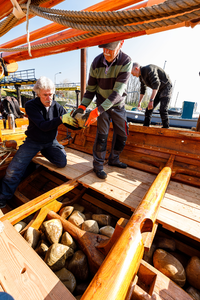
[[44, 83], [135, 65]]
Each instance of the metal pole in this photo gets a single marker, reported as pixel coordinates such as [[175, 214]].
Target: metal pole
[[83, 70], [164, 64], [55, 77], [176, 99], [77, 97]]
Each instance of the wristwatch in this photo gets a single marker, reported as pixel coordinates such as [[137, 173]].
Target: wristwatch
[[151, 100]]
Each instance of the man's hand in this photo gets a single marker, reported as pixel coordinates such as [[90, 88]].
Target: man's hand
[[79, 110], [139, 106], [150, 105], [67, 118], [91, 117]]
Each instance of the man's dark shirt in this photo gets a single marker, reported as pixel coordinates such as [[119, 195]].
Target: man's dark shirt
[[43, 124], [153, 77]]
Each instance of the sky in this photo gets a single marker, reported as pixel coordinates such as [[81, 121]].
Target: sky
[[177, 51]]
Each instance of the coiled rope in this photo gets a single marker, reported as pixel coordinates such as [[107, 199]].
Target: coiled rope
[[111, 22]]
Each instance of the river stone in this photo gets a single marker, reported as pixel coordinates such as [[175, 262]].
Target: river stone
[[20, 225], [169, 266], [32, 236], [88, 215], [194, 293], [107, 231], [66, 211], [67, 279], [79, 207], [90, 226], [56, 256], [78, 266], [67, 240], [183, 258], [165, 243], [53, 230], [193, 272], [81, 288], [81, 122], [42, 248], [77, 218], [102, 220]]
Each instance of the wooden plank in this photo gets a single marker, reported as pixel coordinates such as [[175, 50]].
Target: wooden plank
[[77, 164], [160, 287], [174, 222], [20, 213], [20, 270], [179, 208]]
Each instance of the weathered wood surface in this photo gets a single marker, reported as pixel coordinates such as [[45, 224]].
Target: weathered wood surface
[[180, 208], [23, 274], [159, 286], [148, 149]]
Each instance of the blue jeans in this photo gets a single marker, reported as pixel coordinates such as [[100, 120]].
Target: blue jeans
[[53, 151], [5, 296]]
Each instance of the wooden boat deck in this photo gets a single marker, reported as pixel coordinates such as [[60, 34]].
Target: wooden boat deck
[[180, 208]]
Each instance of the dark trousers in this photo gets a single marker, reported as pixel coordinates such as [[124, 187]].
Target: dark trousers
[[53, 151], [163, 98], [120, 133]]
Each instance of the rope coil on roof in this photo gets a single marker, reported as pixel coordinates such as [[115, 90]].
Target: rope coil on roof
[[108, 21]]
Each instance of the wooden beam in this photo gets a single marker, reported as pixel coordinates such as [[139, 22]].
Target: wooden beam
[[108, 5], [32, 206]]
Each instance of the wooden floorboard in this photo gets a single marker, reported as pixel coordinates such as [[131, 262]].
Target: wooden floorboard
[[180, 208]]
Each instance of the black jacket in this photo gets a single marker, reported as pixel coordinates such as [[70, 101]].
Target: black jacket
[[153, 77], [42, 124]]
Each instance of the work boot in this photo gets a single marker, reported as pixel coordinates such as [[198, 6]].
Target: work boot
[[119, 165], [100, 173]]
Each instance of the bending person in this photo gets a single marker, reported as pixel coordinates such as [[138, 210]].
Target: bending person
[[45, 115], [109, 75], [160, 83]]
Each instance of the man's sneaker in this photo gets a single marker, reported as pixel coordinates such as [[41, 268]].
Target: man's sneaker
[[119, 165], [100, 173], [2, 204]]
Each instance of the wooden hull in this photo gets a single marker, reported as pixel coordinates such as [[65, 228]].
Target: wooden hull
[[146, 152]]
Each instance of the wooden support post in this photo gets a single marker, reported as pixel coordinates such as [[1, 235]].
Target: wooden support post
[[83, 70]]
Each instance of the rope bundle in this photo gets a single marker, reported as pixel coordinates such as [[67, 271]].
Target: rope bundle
[[95, 23]]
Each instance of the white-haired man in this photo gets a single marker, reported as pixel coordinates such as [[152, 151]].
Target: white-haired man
[[45, 115]]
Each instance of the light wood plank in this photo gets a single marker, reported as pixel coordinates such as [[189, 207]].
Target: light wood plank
[[21, 266], [180, 208], [174, 222], [77, 164]]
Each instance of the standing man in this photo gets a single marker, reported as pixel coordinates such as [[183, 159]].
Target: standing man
[[109, 75], [160, 83], [45, 115]]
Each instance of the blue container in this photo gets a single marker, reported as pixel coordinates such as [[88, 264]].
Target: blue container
[[188, 109]]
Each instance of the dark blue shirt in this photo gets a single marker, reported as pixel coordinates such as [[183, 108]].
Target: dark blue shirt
[[43, 124]]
